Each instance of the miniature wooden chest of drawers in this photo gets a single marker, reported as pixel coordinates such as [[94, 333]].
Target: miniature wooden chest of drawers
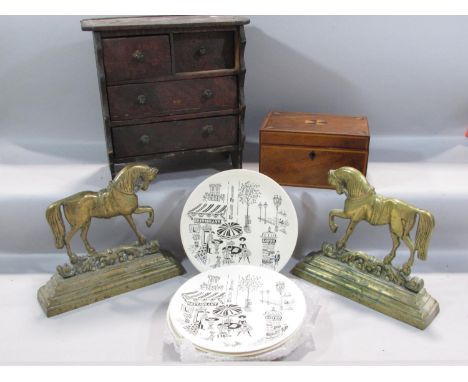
[[170, 85], [298, 149]]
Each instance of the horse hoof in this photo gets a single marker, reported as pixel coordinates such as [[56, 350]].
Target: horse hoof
[[73, 258], [149, 223]]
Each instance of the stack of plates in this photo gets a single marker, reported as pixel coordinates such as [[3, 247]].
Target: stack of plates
[[241, 311], [239, 228]]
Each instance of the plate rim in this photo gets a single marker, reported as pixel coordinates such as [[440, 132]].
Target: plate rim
[[234, 355], [260, 350]]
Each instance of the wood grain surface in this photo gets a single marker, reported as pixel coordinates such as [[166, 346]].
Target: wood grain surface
[[157, 73], [128, 102], [136, 58], [298, 149], [310, 123], [157, 22], [307, 166], [174, 136], [194, 52]]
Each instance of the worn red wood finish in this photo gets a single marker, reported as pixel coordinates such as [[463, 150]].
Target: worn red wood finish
[[124, 58], [204, 51], [298, 149], [156, 138], [170, 85], [128, 102]]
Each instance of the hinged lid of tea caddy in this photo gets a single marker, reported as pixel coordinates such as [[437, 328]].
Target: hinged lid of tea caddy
[[318, 130]]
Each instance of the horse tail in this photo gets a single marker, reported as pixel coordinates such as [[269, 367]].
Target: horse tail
[[55, 220], [423, 233]]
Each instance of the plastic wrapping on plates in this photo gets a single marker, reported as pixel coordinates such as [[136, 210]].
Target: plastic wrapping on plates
[[303, 338]]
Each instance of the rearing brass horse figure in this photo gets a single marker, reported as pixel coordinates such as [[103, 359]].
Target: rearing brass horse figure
[[119, 198], [363, 203]]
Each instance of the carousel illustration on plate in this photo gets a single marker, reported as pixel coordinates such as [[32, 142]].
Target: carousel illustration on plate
[[237, 309], [239, 217]]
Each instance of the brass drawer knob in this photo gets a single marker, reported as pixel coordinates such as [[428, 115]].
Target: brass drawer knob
[[141, 99], [202, 51], [207, 130], [208, 93], [145, 139], [138, 55]]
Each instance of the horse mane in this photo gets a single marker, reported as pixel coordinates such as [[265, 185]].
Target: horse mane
[[355, 183], [125, 180]]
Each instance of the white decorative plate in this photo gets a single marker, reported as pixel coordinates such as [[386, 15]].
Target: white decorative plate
[[238, 217], [237, 310], [243, 356]]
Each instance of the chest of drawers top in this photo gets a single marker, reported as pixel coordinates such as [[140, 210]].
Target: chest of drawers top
[[160, 22]]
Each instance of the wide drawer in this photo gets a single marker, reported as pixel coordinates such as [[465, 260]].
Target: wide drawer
[[163, 137], [307, 166], [314, 140], [136, 58], [141, 101], [203, 51]]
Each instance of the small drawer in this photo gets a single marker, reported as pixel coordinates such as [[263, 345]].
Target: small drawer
[[163, 137], [201, 51], [136, 58], [142, 101], [307, 166]]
